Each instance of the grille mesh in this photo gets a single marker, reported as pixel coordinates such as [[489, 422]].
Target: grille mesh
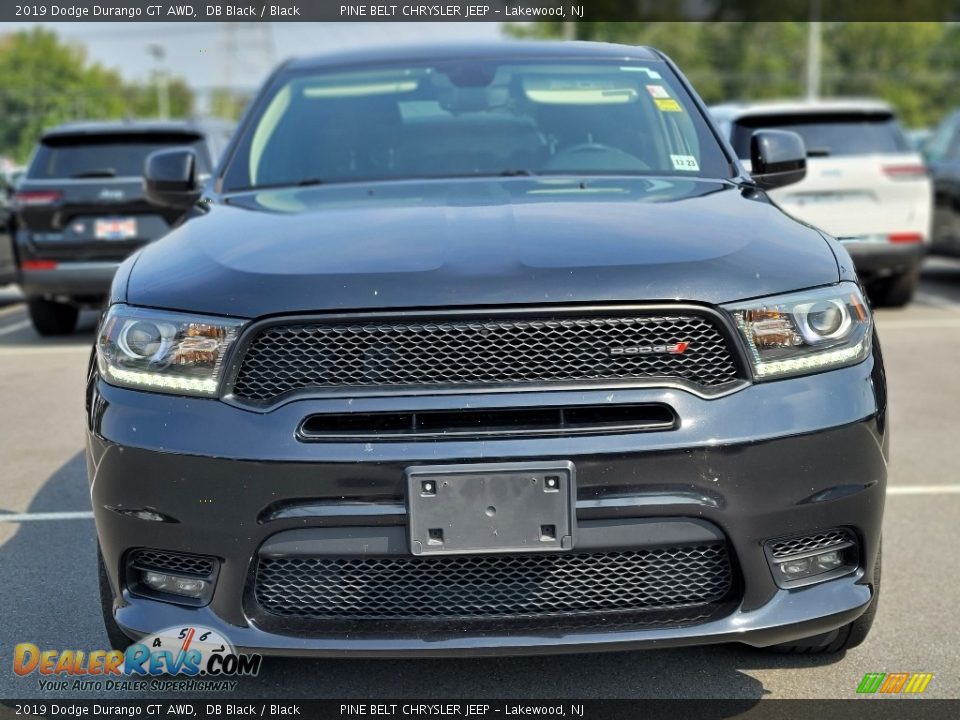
[[283, 358], [806, 543], [173, 562], [472, 586]]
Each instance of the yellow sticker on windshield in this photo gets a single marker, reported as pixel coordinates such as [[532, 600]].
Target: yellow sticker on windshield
[[667, 105]]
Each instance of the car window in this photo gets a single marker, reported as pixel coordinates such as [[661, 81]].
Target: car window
[[829, 133], [105, 156], [475, 119]]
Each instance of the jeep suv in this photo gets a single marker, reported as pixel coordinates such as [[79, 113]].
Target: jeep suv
[[486, 350], [80, 209]]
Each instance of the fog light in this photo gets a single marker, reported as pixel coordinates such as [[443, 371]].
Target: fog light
[[796, 568], [829, 560], [185, 586]]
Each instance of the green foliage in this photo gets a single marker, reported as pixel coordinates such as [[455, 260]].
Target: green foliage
[[44, 81], [911, 65]]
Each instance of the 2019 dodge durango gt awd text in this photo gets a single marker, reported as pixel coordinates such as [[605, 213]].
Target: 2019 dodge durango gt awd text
[[487, 350]]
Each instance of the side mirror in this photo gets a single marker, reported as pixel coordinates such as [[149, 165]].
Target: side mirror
[[777, 158], [170, 178]]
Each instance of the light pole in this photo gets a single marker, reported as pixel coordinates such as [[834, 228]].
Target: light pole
[[814, 56], [163, 88]]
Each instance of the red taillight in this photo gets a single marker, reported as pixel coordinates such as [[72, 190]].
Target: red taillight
[[37, 197], [905, 172], [905, 237], [38, 265]]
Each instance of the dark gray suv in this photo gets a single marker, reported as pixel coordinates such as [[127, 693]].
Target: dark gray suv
[[485, 350], [80, 210]]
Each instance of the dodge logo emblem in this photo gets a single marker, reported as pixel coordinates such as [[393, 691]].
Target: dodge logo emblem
[[671, 349]]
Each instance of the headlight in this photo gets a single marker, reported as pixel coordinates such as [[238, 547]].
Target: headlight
[[163, 351], [805, 332]]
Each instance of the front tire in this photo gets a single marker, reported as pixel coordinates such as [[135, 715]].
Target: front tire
[[52, 318], [844, 638], [118, 640]]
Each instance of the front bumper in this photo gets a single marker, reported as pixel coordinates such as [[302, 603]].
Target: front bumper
[[769, 460]]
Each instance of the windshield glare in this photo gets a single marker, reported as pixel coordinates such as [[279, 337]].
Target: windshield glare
[[476, 119]]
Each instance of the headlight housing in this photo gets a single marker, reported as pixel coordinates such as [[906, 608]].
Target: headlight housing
[[164, 351], [805, 332]]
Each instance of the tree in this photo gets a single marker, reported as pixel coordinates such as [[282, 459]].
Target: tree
[[44, 81], [911, 65]]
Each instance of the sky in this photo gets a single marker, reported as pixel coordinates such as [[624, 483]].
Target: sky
[[200, 52]]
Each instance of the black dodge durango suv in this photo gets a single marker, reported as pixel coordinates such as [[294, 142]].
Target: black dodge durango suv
[[487, 350]]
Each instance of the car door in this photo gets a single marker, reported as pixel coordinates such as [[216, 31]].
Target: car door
[[942, 154]]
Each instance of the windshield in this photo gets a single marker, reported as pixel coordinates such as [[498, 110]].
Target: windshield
[[121, 155], [830, 133], [475, 119]]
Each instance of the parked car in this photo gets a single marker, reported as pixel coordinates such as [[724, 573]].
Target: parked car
[[942, 155], [80, 209], [483, 350], [8, 264], [865, 184]]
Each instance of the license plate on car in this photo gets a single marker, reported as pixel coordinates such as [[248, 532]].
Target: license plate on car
[[491, 508], [115, 229]]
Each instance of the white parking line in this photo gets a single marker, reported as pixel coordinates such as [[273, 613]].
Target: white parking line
[[31, 517], [923, 490], [917, 324], [47, 350], [939, 301], [13, 328]]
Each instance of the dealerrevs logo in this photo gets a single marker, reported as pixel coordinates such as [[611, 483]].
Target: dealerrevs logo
[[663, 349], [186, 651]]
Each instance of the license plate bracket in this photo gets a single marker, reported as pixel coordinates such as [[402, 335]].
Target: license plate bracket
[[491, 508]]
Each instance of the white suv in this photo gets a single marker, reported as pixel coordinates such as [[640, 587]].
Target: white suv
[[865, 185]]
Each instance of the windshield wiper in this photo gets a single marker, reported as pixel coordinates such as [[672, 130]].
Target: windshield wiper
[[520, 172], [97, 173]]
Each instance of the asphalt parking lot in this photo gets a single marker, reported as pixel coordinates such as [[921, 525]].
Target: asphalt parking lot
[[48, 592]]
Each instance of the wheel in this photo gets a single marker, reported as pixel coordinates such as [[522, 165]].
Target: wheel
[[896, 290], [118, 640], [841, 639], [52, 318]]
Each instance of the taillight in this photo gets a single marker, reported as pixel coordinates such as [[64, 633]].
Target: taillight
[[37, 197], [905, 237], [38, 265], [905, 172]]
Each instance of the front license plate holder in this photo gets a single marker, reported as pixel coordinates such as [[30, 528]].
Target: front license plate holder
[[491, 508]]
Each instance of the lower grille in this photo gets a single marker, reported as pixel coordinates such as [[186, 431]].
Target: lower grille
[[477, 587], [808, 543], [172, 562]]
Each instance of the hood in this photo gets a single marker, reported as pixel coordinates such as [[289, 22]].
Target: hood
[[456, 243]]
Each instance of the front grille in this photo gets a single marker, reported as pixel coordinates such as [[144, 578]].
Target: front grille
[[172, 562], [477, 587], [463, 352], [807, 543]]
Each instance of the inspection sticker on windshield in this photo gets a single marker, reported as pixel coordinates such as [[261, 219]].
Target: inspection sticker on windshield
[[667, 105], [657, 91], [685, 162]]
